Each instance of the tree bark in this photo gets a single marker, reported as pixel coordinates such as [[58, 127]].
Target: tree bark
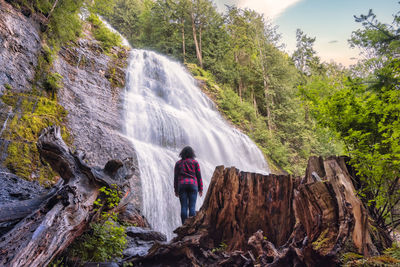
[[65, 211]]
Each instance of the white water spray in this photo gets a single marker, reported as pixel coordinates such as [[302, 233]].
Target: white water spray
[[165, 111]]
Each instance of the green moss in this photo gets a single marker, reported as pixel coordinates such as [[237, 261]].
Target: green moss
[[322, 242], [7, 86], [32, 115], [350, 256], [377, 261], [114, 73]]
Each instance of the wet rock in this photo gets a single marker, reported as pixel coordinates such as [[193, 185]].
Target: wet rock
[[145, 234], [131, 215], [94, 105], [19, 47], [14, 188], [140, 240]]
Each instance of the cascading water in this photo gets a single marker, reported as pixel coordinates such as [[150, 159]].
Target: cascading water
[[166, 111]]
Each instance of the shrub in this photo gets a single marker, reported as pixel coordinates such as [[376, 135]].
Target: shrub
[[105, 36], [53, 83], [106, 239]]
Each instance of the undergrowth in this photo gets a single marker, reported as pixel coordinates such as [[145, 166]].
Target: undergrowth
[[106, 238], [105, 36]]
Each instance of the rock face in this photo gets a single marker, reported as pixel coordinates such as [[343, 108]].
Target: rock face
[[140, 240], [19, 47], [92, 93], [131, 215], [95, 103], [14, 189], [275, 220]]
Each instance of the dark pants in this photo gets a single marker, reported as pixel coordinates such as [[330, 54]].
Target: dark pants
[[187, 196]]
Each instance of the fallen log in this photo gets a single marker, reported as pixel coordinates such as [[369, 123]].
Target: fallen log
[[64, 213]]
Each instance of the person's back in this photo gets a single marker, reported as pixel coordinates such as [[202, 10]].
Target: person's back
[[188, 171], [187, 182]]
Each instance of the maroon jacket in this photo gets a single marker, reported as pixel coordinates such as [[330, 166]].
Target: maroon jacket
[[187, 171]]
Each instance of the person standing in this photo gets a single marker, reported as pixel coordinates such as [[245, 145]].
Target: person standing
[[187, 182]]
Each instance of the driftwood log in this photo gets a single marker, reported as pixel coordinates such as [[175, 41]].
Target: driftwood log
[[250, 219], [49, 224]]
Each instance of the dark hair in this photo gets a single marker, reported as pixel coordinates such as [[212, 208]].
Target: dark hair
[[187, 152]]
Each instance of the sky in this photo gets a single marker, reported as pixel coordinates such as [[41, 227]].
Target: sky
[[330, 21]]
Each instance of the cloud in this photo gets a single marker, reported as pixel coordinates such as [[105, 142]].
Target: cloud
[[270, 8], [333, 42]]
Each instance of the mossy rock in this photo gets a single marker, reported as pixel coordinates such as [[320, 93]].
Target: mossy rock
[[31, 115]]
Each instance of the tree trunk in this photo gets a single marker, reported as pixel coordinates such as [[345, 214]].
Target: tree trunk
[[200, 44], [196, 43], [272, 220], [63, 214], [52, 9], [239, 78], [183, 40], [266, 89], [253, 96]]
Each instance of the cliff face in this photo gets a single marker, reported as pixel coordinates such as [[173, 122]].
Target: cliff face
[[88, 106], [92, 93], [19, 48]]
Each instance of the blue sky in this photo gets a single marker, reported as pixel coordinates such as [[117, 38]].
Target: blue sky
[[330, 21]]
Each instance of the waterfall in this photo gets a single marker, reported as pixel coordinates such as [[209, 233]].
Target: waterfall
[[165, 111]]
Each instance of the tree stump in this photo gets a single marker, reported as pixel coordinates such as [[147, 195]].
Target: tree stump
[[272, 220]]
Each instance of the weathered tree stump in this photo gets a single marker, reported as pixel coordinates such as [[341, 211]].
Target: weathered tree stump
[[50, 224], [272, 220]]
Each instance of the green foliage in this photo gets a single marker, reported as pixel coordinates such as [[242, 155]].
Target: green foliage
[[364, 112], [7, 86], [57, 262], [391, 257], [109, 198], [106, 239], [222, 247], [288, 146], [53, 83], [394, 251], [376, 261], [65, 24], [107, 38]]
